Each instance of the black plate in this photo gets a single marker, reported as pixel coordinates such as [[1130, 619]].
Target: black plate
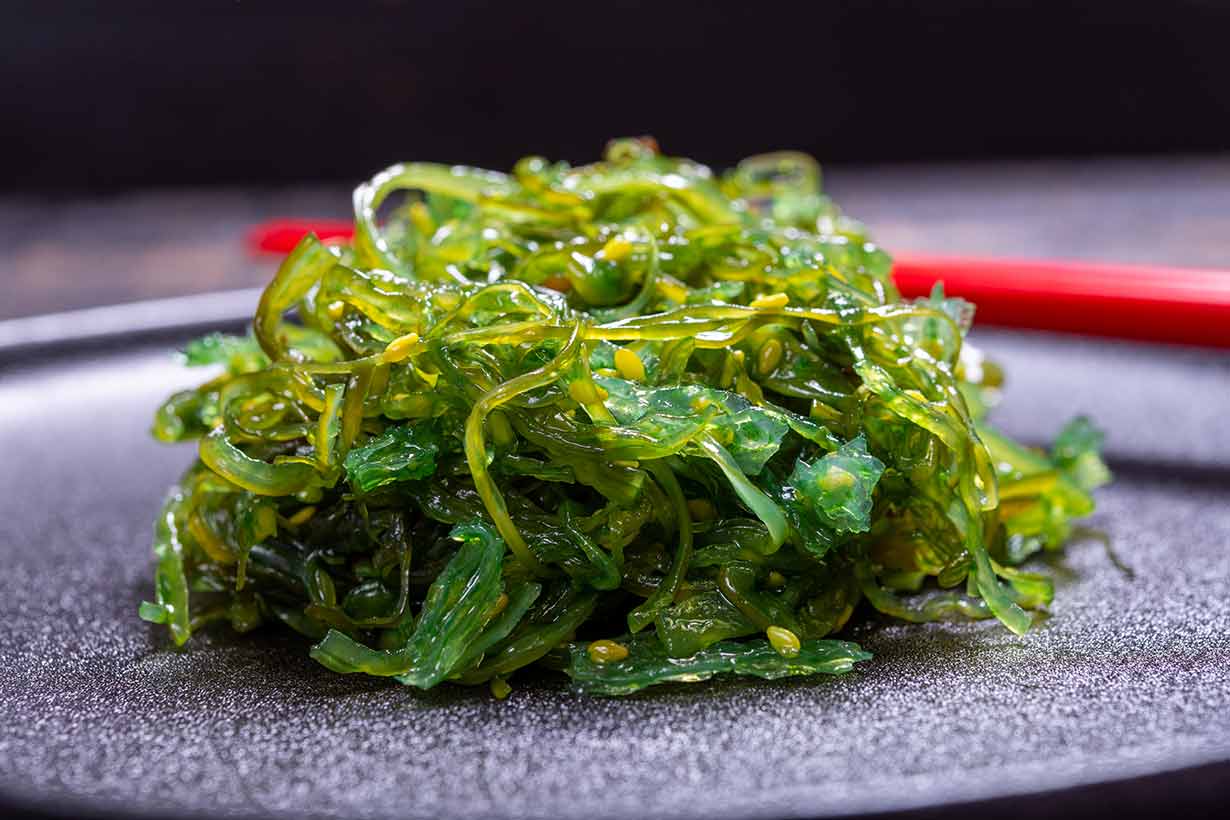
[[1128, 677]]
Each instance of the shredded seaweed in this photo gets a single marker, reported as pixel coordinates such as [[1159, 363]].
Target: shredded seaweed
[[630, 420]]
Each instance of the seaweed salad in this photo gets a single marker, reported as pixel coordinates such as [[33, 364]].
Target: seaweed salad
[[631, 420]]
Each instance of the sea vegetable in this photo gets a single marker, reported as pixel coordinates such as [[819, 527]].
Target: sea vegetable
[[647, 663], [630, 420]]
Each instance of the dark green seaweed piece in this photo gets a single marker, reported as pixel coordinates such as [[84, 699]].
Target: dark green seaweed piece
[[461, 601]]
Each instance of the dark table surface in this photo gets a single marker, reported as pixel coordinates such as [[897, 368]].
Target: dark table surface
[[63, 253]]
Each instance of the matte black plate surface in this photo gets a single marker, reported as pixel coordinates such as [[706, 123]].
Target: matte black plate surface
[[1129, 676]]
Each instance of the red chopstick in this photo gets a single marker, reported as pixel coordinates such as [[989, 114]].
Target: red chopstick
[[1144, 303], [281, 235]]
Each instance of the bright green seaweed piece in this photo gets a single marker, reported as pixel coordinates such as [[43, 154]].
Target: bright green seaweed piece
[[402, 453], [1078, 452], [648, 664], [680, 414], [838, 488]]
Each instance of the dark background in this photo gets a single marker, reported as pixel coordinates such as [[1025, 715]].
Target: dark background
[[118, 95]]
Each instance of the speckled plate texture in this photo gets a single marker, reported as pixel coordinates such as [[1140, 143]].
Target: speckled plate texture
[[1121, 697]]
